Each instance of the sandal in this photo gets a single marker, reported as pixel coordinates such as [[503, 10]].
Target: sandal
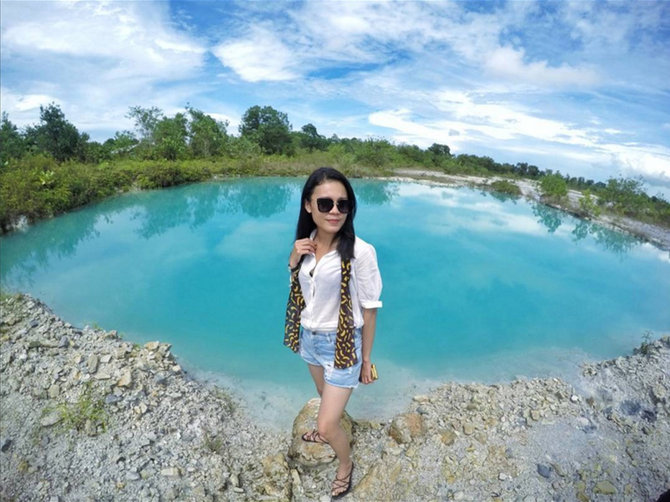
[[313, 437], [339, 483]]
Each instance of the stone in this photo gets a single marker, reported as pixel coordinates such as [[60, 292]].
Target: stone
[[388, 479], [54, 391], [447, 437], [544, 470], [92, 363], [658, 393], [112, 399], [535, 415], [51, 419], [132, 476], [235, 480], [630, 407], [277, 474], [106, 358], [64, 342], [5, 444], [558, 469], [313, 454], [152, 346], [125, 380], [170, 472], [605, 487], [468, 429], [406, 427]]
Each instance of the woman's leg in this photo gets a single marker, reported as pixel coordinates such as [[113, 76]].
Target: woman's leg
[[317, 376], [333, 401]]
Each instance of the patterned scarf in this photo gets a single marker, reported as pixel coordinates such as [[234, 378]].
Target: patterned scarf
[[345, 353]]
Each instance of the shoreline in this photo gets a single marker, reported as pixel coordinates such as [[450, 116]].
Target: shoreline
[[87, 415], [654, 234]]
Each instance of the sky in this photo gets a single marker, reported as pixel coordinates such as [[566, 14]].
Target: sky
[[580, 87]]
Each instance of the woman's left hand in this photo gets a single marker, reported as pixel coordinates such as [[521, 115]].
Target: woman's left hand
[[366, 373]]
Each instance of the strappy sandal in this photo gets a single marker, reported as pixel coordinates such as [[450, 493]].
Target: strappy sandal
[[340, 483], [313, 437]]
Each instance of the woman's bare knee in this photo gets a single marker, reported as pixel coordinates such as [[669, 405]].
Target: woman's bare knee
[[327, 427]]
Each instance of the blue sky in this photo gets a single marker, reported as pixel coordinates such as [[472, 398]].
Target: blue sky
[[581, 87]]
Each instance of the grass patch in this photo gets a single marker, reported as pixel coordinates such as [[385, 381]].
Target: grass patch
[[87, 413]]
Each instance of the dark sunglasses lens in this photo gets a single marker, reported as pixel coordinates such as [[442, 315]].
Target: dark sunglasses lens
[[324, 205], [344, 206]]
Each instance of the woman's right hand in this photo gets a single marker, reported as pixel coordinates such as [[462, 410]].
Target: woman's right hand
[[301, 247]]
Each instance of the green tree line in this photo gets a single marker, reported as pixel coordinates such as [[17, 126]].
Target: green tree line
[[51, 167]]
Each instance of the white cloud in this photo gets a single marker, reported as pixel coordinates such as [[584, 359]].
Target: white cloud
[[24, 102], [132, 38], [259, 56], [509, 63]]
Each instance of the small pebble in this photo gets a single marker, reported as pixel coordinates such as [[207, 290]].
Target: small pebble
[[544, 470]]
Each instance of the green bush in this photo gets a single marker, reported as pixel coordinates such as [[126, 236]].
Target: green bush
[[588, 206], [553, 186], [506, 187]]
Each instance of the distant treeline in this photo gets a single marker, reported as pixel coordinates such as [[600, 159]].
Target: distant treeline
[[51, 167]]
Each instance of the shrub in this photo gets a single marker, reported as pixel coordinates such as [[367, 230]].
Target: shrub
[[506, 187], [553, 186]]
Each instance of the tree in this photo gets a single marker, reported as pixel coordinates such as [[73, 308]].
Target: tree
[[146, 120], [268, 128], [439, 150], [311, 139], [553, 186], [122, 144], [55, 135], [12, 144], [170, 137], [207, 137]]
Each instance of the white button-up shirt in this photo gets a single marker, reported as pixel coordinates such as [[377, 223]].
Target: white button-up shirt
[[321, 288]]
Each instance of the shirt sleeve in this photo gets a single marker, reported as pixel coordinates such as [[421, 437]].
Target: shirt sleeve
[[368, 278]]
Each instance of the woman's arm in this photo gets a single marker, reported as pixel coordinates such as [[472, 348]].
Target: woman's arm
[[369, 326]]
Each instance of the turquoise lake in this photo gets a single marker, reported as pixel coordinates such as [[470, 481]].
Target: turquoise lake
[[477, 287]]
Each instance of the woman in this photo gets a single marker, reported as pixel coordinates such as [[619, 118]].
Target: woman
[[332, 308]]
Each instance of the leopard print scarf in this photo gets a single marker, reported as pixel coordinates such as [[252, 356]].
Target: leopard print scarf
[[345, 353]]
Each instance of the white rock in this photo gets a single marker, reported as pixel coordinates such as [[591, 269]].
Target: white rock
[[170, 472], [152, 346], [125, 380]]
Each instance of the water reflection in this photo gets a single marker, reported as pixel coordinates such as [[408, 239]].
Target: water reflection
[[375, 193], [616, 242], [153, 213], [549, 217], [611, 240]]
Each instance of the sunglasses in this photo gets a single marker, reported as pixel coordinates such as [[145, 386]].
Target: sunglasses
[[325, 205]]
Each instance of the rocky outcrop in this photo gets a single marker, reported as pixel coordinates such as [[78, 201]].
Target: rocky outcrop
[[87, 415]]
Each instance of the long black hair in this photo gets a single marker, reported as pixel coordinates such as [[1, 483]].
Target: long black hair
[[346, 235]]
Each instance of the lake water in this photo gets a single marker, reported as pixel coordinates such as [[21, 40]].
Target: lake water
[[477, 287]]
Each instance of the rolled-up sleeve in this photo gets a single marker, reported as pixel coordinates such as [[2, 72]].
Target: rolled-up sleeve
[[368, 278]]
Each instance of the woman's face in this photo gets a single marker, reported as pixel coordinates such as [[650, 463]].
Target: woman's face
[[331, 221]]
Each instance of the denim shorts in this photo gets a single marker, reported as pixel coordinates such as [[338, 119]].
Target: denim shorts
[[318, 349]]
